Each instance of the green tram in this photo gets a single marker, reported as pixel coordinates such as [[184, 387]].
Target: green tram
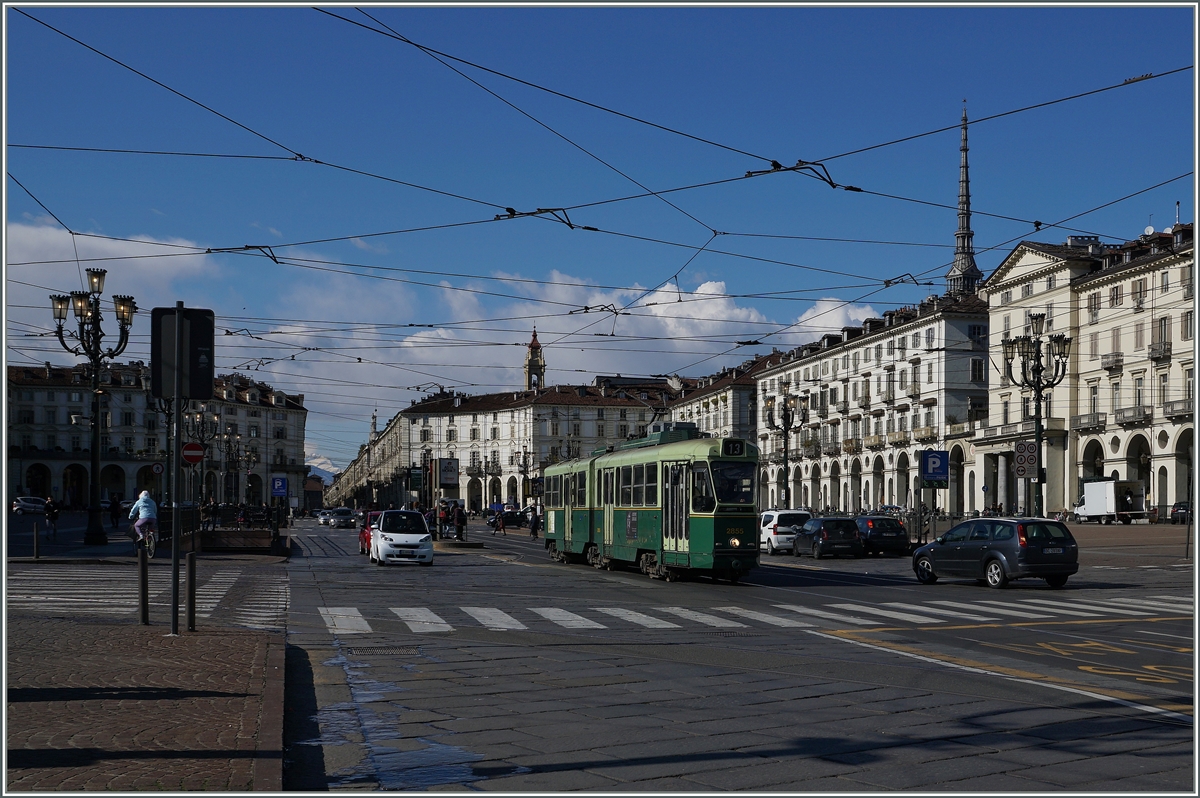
[[671, 504]]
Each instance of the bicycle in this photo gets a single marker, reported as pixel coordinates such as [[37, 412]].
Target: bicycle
[[149, 542]]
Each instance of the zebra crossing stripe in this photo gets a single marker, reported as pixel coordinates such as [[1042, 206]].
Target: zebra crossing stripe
[[566, 619], [703, 617], [1000, 610], [1116, 610], [493, 618], [344, 620], [421, 620], [830, 615], [774, 620], [1158, 605], [1178, 602], [209, 595], [899, 616], [1055, 607], [637, 617], [966, 616]]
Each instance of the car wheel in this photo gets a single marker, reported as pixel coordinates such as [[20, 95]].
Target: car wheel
[[380, 561], [924, 570], [427, 563], [1056, 581], [994, 573], [771, 550], [816, 551], [19, 511], [795, 550]]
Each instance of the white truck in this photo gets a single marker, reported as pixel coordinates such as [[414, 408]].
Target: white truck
[[1112, 500]]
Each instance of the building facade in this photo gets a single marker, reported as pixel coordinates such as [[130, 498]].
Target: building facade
[[1125, 407], [49, 436], [724, 404]]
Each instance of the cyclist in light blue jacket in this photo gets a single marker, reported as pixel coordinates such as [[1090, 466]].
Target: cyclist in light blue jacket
[[146, 513]]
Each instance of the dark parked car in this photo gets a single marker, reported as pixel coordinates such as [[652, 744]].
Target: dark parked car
[[822, 537], [995, 550], [1181, 512], [882, 533], [513, 519]]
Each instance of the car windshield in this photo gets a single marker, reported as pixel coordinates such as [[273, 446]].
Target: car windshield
[[734, 482], [403, 523], [343, 511], [793, 519], [1041, 532]]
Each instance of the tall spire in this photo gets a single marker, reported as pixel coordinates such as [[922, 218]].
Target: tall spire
[[964, 275]]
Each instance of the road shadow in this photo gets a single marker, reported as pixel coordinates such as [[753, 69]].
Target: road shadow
[[303, 765]]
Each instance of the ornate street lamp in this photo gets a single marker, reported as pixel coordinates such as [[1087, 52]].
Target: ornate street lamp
[[1043, 365], [791, 415], [202, 427], [88, 342]]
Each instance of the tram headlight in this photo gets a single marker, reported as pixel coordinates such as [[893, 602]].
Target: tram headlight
[[735, 542]]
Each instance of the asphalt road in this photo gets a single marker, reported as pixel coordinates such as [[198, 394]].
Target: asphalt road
[[499, 670]]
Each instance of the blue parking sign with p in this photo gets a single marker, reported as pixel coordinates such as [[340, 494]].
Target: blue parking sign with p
[[935, 466], [279, 486]]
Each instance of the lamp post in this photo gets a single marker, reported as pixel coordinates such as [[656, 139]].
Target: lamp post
[[1037, 375], [232, 454], [88, 342], [164, 407], [201, 427], [791, 415], [523, 470]]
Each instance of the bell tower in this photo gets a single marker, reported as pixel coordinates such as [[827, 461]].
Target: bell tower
[[964, 275], [535, 365]]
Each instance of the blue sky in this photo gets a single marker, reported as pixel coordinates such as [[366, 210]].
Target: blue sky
[[783, 83]]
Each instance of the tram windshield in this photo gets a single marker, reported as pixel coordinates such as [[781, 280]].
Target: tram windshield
[[734, 482]]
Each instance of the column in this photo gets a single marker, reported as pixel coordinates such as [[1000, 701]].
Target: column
[[1002, 482]]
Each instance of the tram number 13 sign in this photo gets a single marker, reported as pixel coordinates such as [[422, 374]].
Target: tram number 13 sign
[[1025, 460]]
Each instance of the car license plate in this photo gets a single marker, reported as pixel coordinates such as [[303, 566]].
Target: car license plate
[[1052, 551], [842, 546], [890, 534]]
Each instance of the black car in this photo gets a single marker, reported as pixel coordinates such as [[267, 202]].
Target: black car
[[995, 550], [822, 537], [1180, 512], [513, 519], [882, 533]]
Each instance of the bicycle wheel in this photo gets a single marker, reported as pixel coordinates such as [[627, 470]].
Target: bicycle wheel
[[151, 541]]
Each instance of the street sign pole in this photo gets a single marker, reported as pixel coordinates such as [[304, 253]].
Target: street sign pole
[[177, 423]]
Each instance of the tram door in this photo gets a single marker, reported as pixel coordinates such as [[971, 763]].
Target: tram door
[[607, 499], [568, 494], [676, 486]]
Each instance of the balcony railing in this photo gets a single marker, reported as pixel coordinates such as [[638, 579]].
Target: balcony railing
[[925, 433], [474, 471], [874, 441], [1160, 350], [842, 407], [852, 446], [822, 409], [810, 449], [898, 438], [1138, 414], [1088, 421], [864, 401], [914, 392], [830, 448], [1113, 361], [1177, 407], [1188, 289], [889, 395], [960, 429], [492, 469]]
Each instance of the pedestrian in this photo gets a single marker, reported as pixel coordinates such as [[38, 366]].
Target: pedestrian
[[460, 522], [442, 520], [52, 517], [146, 513], [535, 519], [114, 512], [500, 524]]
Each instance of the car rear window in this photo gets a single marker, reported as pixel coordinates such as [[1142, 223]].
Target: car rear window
[[403, 523], [885, 525], [793, 519], [841, 525], [1047, 531]]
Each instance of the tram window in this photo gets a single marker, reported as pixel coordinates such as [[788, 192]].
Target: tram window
[[581, 490], [639, 485], [552, 488], [703, 500], [608, 487], [735, 482], [651, 484], [626, 484]]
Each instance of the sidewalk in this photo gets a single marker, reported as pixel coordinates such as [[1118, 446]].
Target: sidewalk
[[98, 704]]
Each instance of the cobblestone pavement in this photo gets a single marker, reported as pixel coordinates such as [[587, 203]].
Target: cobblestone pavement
[[108, 704]]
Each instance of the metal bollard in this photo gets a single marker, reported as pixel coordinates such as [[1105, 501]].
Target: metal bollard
[[36, 550], [191, 591], [144, 587]]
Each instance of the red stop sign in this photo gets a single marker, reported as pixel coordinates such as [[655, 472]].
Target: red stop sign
[[192, 453]]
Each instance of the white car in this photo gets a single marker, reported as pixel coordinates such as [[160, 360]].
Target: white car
[[401, 536], [323, 517], [28, 504], [777, 529]]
